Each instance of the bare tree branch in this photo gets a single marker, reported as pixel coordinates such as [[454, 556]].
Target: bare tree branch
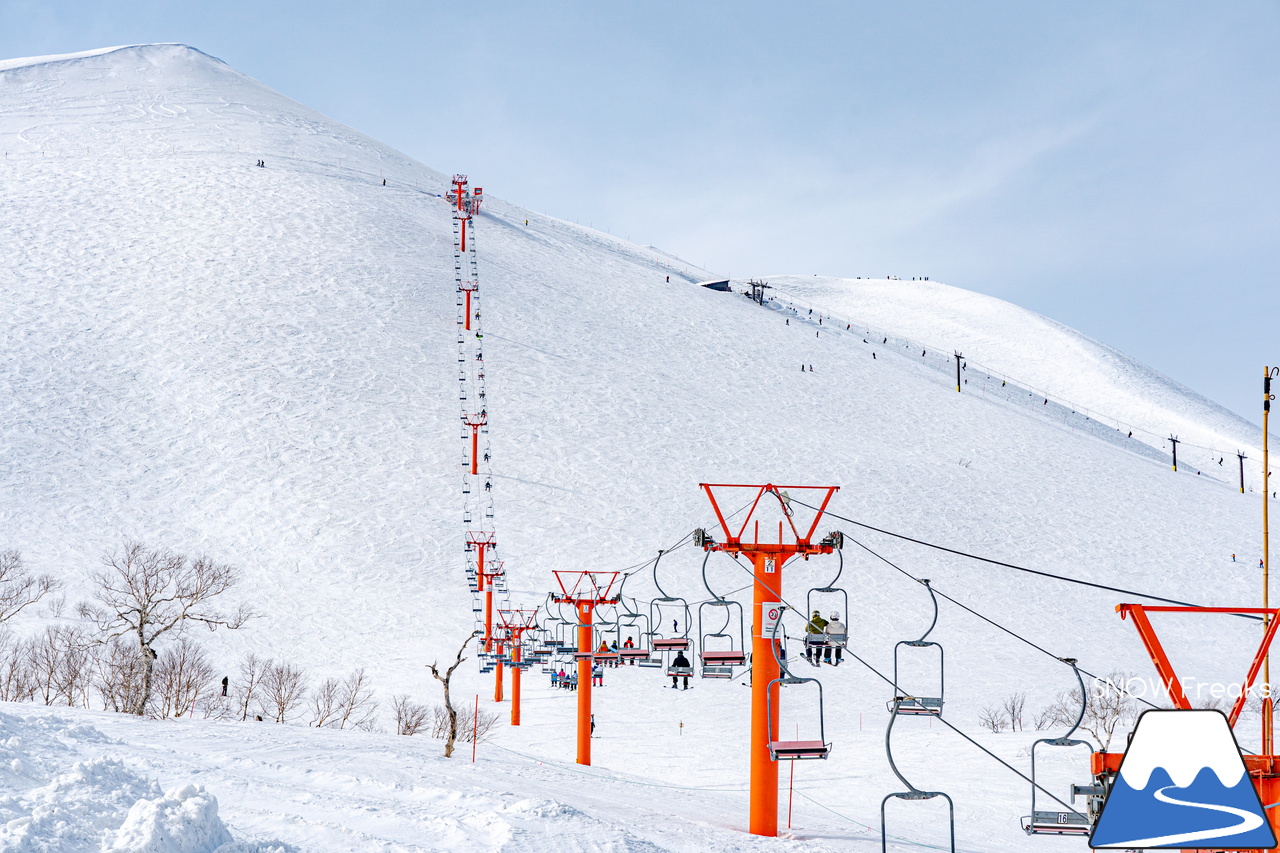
[[19, 588]]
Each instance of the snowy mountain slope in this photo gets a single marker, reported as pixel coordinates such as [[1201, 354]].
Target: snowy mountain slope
[[260, 363], [1035, 350]]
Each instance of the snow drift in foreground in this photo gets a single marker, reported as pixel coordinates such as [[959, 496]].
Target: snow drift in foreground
[[58, 801]]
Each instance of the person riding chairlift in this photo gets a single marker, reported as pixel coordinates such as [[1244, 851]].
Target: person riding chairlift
[[835, 626], [817, 625], [681, 661]]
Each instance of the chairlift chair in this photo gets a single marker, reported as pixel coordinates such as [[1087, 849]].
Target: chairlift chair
[[719, 663], [796, 750], [1041, 822], [908, 704], [659, 643]]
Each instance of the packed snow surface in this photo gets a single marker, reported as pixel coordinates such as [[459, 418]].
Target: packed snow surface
[[259, 363]]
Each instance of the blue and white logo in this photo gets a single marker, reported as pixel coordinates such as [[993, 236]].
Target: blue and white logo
[[1183, 784]]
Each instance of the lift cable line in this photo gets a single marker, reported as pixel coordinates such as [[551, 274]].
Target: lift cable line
[[988, 619], [938, 717], [994, 562]]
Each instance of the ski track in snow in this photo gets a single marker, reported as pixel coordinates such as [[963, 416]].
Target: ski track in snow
[[260, 364]]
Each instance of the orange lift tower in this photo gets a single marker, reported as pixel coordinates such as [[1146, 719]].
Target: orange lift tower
[[585, 591], [481, 541], [476, 422], [767, 503], [466, 203], [516, 623]]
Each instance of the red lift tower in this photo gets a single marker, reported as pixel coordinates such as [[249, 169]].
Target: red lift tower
[[767, 554], [476, 422], [1264, 768], [516, 623], [481, 541], [585, 591]]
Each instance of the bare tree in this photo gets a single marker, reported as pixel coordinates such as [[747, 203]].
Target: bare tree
[[356, 706], [145, 593], [19, 588], [249, 682], [324, 704], [118, 676], [182, 677], [59, 665], [411, 717], [284, 687], [993, 717], [1013, 706], [451, 735], [15, 670]]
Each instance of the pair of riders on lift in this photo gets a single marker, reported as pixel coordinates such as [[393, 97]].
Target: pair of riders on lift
[[818, 630]]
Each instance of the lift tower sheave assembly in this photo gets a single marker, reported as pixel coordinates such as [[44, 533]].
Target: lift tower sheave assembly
[[768, 548], [585, 591]]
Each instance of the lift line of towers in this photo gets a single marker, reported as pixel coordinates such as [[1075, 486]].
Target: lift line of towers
[[584, 623]]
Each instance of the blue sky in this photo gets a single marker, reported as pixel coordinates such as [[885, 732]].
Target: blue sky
[[1112, 165]]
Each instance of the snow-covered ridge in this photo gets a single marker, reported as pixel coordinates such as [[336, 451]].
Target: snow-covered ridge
[[28, 61], [1032, 349]]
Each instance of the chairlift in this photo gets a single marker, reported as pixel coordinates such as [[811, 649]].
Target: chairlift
[[793, 750], [730, 643], [719, 662], [904, 705], [824, 595], [908, 704], [912, 792], [1068, 822], [630, 619], [671, 603]]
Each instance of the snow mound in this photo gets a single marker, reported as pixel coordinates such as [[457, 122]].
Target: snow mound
[[100, 803], [184, 820]]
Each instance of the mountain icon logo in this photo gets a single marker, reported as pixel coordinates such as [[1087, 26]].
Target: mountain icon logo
[[1182, 784]]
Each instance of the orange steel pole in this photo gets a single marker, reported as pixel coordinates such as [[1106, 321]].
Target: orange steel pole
[[475, 449], [497, 677], [516, 657], [468, 292], [764, 669], [585, 613]]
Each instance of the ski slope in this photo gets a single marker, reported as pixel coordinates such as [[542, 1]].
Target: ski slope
[[259, 364]]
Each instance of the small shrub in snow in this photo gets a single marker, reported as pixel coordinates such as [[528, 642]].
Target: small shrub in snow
[[411, 717], [344, 704]]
